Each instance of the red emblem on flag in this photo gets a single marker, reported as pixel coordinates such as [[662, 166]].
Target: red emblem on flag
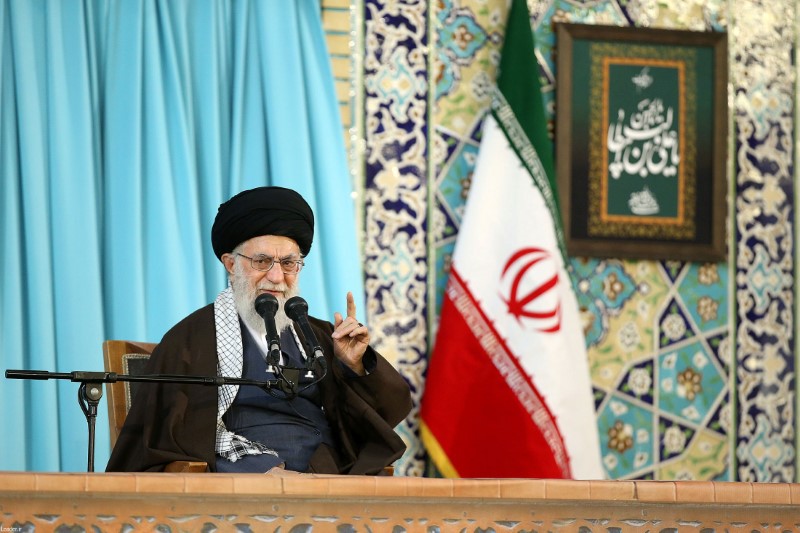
[[530, 279]]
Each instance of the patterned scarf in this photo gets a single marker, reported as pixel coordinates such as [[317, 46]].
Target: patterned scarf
[[229, 364]]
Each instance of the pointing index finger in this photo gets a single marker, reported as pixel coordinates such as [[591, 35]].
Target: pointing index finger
[[351, 305]]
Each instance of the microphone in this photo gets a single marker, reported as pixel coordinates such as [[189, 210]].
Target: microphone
[[267, 306], [297, 309]]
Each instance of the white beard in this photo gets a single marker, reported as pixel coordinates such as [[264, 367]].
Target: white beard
[[244, 297]]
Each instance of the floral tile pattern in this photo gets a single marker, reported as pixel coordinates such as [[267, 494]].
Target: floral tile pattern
[[689, 383], [674, 326], [763, 77], [626, 438], [395, 198]]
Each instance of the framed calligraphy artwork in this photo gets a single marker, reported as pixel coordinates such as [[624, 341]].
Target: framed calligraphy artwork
[[641, 138]]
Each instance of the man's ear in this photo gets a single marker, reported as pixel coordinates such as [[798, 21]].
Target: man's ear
[[227, 261]]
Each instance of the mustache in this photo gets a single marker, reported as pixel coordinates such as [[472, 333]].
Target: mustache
[[267, 286]]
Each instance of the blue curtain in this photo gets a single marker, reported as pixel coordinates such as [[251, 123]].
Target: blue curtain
[[123, 125]]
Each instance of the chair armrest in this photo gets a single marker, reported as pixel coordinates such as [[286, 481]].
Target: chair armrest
[[186, 466]]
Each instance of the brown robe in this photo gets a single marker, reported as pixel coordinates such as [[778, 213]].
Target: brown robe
[[177, 422]]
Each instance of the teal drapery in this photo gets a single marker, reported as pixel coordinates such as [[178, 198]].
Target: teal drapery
[[123, 125]]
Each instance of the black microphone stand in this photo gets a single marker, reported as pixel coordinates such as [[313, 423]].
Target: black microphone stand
[[91, 391]]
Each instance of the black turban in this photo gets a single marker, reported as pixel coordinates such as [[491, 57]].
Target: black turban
[[262, 211]]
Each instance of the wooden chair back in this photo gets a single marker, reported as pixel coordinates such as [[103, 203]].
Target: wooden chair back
[[129, 357], [123, 357]]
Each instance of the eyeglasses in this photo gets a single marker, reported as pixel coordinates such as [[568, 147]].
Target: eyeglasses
[[264, 262]]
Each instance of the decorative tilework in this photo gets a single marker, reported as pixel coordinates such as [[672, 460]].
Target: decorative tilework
[[762, 78], [673, 325], [704, 291], [666, 355], [689, 383], [396, 195], [638, 382], [626, 442]]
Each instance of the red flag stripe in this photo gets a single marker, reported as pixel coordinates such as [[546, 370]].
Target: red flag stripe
[[487, 394]]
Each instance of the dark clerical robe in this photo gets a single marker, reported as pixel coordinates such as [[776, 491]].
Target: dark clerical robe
[[177, 422]]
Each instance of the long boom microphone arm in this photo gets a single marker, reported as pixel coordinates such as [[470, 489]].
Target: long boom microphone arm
[[80, 376], [90, 391]]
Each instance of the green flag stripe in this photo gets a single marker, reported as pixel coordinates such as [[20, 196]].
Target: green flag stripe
[[517, 106]]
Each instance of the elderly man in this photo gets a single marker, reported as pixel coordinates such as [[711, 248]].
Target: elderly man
[[341, 424]]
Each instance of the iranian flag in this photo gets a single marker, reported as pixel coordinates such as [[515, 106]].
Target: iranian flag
[[507, 392]]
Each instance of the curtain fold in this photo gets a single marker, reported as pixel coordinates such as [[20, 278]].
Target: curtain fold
[[123, 125]]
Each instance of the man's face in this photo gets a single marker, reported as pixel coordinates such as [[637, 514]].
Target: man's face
[[248, 283], [274, 281]]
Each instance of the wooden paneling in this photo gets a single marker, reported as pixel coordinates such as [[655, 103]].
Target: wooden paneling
[[147, 502]]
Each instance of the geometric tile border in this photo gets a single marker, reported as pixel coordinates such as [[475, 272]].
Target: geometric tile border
[[395, 199]]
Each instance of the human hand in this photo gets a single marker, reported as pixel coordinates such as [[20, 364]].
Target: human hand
[[280, 471], [350, 338]]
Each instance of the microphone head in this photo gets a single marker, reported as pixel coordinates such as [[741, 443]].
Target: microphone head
[[266, 303], [295, 307]]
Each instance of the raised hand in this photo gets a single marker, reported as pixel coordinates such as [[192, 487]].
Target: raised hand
[[350, 338]]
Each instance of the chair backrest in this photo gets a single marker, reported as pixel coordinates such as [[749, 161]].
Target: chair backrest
[[123, 357]]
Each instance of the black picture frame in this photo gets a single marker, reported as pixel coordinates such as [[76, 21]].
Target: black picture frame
[[641, 142]]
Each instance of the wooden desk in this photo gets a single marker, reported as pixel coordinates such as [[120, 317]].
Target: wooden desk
[[193, 502]]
